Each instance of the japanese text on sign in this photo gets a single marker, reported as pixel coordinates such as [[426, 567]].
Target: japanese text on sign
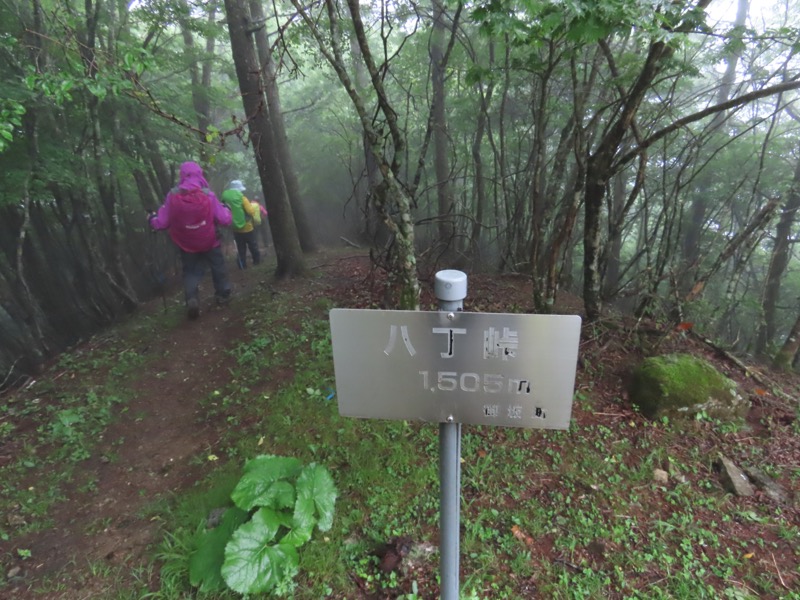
[[502, 369]]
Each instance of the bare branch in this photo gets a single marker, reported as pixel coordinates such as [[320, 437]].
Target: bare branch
[[711, 110]]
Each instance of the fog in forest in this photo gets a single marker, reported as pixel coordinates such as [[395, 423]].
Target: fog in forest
[[642, 159]]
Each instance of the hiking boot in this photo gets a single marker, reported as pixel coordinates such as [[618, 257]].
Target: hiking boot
[[193, 308], [223, 300]]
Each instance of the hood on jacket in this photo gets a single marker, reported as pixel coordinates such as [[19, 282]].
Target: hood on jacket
[[192, 177]]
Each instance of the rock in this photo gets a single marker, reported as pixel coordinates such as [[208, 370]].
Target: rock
[[733, 478], [13, 572], [420, 555], [660, 476], [770, 487], [680, 478], [681, 386]]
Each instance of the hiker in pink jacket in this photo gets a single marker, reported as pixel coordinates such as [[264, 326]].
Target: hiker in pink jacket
[[190, 214]]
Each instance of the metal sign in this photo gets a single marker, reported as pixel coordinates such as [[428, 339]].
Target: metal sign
[[483, 369]]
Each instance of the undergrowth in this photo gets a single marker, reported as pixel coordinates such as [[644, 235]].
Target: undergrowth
[[551, 514], [545, 514]]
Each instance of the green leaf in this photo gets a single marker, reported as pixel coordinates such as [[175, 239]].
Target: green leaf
[[298, 534], [316, 498], [263, 483], [253, 565], [205, 563], [588, 30], [97, 90], [285, 467]]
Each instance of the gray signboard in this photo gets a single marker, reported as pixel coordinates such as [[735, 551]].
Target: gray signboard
[[483, 369]]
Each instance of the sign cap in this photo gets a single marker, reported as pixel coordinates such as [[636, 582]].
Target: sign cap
[[450, 285]]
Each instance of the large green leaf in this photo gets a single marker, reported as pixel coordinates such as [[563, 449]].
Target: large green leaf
[[299, 532], [283, 467], [254, 565], [205, 563], [264, 483], [316, 498]]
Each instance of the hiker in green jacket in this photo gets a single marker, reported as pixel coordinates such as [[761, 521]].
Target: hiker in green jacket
[[245, 216]]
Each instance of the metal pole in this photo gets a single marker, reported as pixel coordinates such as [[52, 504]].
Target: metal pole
[[451, 289]]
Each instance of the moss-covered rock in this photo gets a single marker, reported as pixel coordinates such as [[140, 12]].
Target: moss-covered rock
[[682, 385]]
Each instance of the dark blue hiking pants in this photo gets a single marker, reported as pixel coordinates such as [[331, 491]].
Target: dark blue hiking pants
[[194, 268], [243, 242]]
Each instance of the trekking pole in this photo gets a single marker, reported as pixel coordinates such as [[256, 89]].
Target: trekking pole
[[156, 273]]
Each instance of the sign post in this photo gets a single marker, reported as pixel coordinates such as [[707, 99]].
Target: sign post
[[452, 367], [450, 288]]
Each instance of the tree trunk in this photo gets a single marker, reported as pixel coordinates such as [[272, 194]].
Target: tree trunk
[[786, 355], [614, 246], [777, 265], [281, 221], [35, 316], [369, 175], [599, 172], [444, 195], [692, 247], [572, 138], [756, 225], [481, 199], [391, 200], [284, 153], [200, 77]]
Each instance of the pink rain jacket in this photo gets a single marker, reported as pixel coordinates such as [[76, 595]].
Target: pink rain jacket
[[192, 237]]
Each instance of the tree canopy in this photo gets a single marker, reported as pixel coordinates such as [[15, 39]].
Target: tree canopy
[[640, 154]]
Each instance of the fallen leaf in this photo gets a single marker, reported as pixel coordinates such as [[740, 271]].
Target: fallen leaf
[[517, 532]]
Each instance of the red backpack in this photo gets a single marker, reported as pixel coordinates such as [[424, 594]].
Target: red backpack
[[191, 220]]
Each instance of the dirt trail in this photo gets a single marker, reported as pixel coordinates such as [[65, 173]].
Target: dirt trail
[[149, 451]]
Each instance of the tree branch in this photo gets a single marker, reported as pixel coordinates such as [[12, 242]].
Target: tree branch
[[732, 103]]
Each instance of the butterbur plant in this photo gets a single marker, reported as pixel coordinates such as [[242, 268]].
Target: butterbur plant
[[278, 503]]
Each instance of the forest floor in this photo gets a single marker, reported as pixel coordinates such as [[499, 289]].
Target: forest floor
[[74, 504]]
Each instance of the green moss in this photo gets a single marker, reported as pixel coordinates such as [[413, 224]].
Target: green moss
[[682, 384]]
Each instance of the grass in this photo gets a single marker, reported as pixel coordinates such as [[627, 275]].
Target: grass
[[550, 514], [57, 430], [578, 489]]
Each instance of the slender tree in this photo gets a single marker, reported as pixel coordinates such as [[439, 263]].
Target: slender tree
[[248, 72], [283, 149], [390, 198], [779, 261], [696, 222], [444, 194]]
